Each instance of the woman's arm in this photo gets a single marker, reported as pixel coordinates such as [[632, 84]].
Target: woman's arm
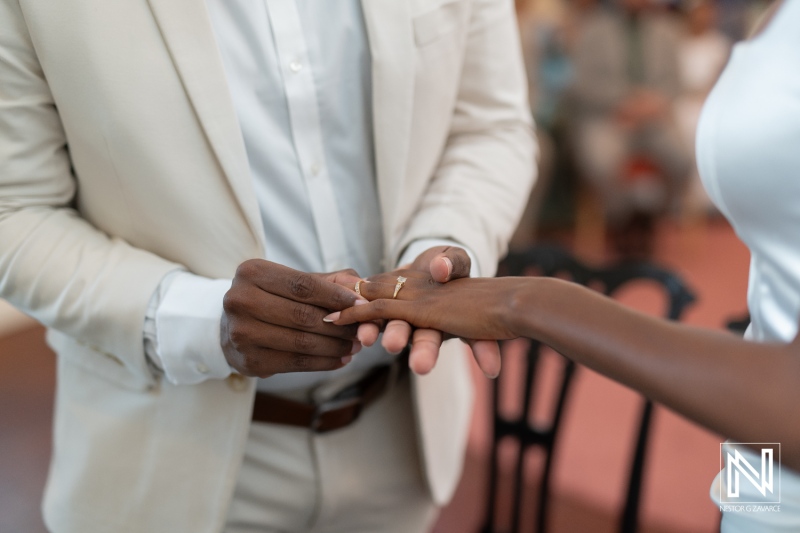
[[747, 391]]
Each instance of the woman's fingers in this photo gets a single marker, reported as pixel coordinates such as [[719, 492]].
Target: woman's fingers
[[410, 289], [372, 311], [426, 342], [376, 290]]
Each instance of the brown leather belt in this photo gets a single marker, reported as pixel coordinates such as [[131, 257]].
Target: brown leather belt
[[336, 413]]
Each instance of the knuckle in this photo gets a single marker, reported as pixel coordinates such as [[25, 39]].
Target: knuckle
[[262, 367], [247, 269], [350, 331], [344, 348], [380, 305], [250, 363], [269, 362], [237, 302], [238, 336], [339, 300], [230, 302], [302, 362], [303, 316], [303, 342], [302, 286]]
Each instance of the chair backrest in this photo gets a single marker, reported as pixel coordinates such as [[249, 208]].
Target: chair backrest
[[556, 262]]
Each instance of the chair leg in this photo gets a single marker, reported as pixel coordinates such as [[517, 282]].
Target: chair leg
[[542, 512], [630, 515]]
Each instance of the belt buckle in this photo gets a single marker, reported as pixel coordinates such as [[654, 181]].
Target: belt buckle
[[330, 406]]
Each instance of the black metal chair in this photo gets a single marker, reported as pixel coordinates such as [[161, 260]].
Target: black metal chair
[[555, 261]]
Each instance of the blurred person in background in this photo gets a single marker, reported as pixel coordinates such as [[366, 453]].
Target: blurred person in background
[[702, 55], [627, 145], [545, 34]]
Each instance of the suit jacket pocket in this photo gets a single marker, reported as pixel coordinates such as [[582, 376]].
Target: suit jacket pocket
[[431, 26], [101, 364]]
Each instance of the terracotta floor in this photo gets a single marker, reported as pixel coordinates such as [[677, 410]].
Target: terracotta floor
[[27, 382], [589, 473]]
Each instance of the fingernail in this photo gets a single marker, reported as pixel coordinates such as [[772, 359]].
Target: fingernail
[[356, 348], [361, 302], [333, 317], [367, 343], [449, 266], [346, 359]]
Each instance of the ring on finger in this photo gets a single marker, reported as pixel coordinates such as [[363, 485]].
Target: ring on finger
[[358, 286], [400, 282]]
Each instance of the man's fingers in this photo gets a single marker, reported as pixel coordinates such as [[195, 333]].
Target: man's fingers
[[451, 263], [395, 336], [295, 285], [487, 355], [441, 268], [247, 334], [273, 309], [265, 362], [424, 350]]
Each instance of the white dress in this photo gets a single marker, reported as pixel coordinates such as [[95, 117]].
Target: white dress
[[748, 151]]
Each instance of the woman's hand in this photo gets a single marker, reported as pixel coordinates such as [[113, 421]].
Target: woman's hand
[[480, 308]]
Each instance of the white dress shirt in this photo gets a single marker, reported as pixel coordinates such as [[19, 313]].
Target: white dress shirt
[[299, 75]]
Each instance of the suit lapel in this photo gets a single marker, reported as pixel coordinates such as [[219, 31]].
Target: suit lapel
[[393, 56], [187, 31]]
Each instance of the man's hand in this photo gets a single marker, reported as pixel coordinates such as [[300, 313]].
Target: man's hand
[[443, 263], [272, 320]]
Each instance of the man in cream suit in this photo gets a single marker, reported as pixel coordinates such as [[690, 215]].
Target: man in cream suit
[[171, 171]]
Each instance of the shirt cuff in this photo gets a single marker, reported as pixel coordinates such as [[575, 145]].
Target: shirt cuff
[[185, 343], [417, 247]]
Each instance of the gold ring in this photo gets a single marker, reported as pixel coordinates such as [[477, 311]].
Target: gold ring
[[358, 287], [400, 282]]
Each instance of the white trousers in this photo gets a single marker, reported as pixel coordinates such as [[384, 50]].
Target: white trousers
[[365, 478]]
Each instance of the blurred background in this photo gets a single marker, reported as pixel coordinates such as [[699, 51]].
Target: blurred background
[[616, 90]]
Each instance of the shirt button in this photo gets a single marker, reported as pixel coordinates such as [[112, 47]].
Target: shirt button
[[315, 169], [202, 368], [295, 66]]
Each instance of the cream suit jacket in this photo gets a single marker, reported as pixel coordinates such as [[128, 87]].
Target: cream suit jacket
[[121, 159]]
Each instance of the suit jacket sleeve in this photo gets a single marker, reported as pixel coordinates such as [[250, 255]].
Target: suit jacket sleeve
[[481, 185], [54, 265]]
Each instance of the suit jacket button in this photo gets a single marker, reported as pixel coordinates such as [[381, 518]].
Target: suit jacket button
[[237, 382]]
